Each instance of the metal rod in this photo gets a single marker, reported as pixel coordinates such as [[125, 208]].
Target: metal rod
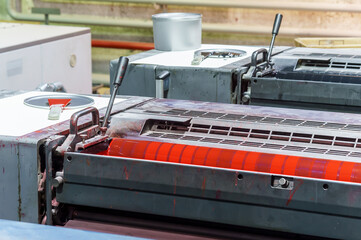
[[275, 30], [110, 106], [48, 189], [118, 78], [159, 88], [46, 19]]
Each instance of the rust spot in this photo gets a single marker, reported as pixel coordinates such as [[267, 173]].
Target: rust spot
[[126, 173], [204, 183], [174, 203], [293, 192], [218, 194], [175, 187], [88, 162]]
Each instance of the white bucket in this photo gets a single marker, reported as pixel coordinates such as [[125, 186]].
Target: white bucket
[[177, 31]]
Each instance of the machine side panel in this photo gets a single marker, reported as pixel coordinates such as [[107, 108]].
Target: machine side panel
[[139, 80], [307, 91], [201, 84], [257, 216], [29, 174], [212, 194], [18, 180], [10, 188]]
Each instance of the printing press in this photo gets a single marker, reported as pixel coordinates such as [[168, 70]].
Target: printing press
[[199, 168], [280, 169], [301, 78], [322, 79]]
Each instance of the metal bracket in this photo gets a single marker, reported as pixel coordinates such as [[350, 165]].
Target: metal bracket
[[88, 137], [46, 12], [162, 84], [258, 67]]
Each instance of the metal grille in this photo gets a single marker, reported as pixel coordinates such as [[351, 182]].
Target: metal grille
[[329, 55], [216, 130], [314, 143], [338, 65], [259, 119]]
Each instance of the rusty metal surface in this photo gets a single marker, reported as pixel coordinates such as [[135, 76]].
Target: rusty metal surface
[[209, 194], [63, 127], [207, 182], [234, 197], [20, 159]]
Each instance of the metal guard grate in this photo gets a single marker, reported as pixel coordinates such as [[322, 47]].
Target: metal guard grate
[[313, 143]]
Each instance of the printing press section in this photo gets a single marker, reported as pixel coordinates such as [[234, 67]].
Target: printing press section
[[300, 77], [294, 171]]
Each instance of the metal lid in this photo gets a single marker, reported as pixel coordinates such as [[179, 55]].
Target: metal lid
[[176, 16], [77, 101]]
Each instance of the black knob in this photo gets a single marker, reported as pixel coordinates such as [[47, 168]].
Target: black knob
[[121, 68], [277, 23]]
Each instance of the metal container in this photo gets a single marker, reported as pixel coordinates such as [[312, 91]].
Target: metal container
[[177, 31]]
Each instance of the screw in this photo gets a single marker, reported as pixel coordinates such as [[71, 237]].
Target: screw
[[245, 98], [283, 182], [83, 137], [58, 181]]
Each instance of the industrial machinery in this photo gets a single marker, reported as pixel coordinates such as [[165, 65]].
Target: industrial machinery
[[322, 79], [286, 170], [215, 165], [217, 78], [210, 73], [301, 77]]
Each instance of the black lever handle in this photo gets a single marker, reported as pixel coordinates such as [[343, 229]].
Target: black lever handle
[[276, 28], [277, 23], [121, 68]]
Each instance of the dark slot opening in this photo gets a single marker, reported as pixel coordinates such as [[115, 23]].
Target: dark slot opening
[[281, 133], [260, 131], [302, 135], [220, 128], [323, 137]]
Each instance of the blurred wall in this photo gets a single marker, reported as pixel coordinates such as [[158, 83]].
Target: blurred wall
[[234, 25]]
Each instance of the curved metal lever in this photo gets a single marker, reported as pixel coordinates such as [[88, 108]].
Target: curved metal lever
[[75, 117], [255, 54]]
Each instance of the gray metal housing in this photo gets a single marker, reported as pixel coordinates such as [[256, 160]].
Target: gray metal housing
[[234, 197], [201, 84], [322, 79], [22, 162]]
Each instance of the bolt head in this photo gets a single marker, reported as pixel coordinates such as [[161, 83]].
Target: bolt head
[[283, 182]]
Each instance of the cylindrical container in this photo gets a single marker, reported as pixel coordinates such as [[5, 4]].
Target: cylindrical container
[[177, 31]]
